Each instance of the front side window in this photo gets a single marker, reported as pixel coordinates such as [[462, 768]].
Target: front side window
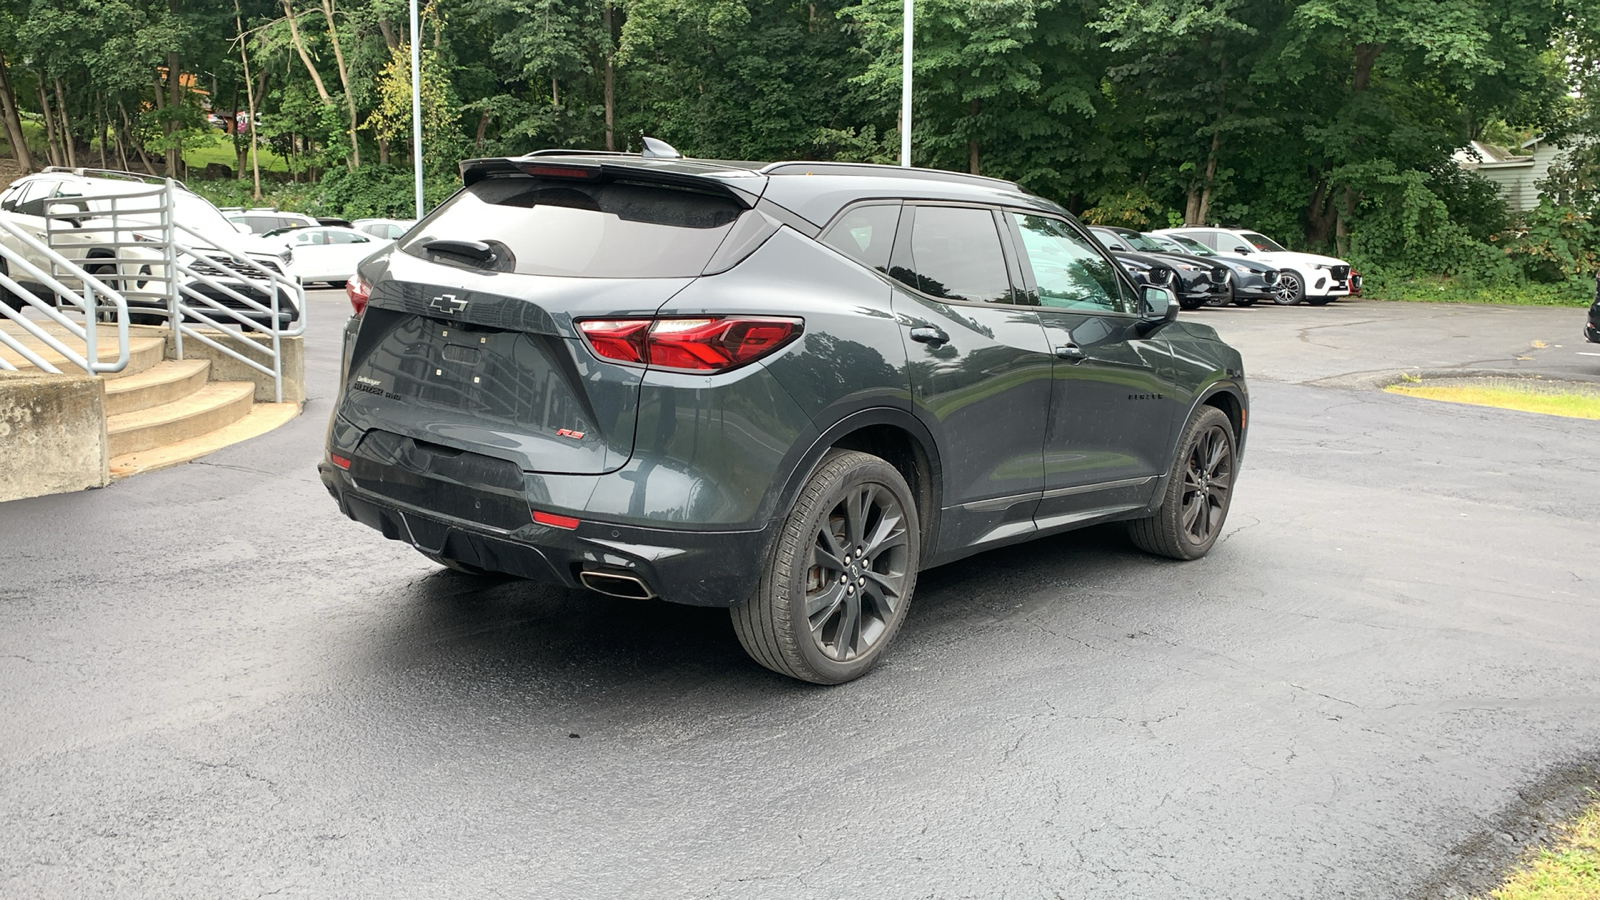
[[956, 254], [1263, 243], [866, 235], [1068, 271]]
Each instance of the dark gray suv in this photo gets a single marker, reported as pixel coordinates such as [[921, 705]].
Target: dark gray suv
[[783, 389]]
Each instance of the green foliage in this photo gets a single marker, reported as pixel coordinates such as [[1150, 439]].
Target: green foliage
[[375, 190]]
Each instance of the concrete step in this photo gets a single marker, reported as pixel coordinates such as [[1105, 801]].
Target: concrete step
[[166, 381], [213, 406], [262, 418], [146, 347]]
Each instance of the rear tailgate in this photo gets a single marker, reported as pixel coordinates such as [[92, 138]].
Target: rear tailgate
[[470, 340], [501, 375]]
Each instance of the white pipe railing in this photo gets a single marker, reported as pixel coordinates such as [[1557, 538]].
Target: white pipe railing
[[91, 287]]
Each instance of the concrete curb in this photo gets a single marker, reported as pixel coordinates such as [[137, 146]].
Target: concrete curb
[[1382, 378]]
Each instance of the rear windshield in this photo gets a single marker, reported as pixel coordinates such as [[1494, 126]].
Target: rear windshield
[[573, 228]]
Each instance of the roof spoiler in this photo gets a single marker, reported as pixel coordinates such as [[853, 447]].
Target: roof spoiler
[[603, 168]]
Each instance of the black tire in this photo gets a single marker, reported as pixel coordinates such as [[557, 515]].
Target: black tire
[[1244, 301], [336, 285], [1199, 491], [456, 564], [6, 297], [806, 618], [1291, 288], [1319, 301], [1190, 303], [147, 319]]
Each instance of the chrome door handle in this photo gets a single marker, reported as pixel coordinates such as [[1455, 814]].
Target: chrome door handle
[[927, 334], [1071, 353]]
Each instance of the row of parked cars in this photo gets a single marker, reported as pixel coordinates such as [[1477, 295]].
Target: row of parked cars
[[85, 214], [1216, 266]]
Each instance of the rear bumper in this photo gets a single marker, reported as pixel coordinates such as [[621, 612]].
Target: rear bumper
[[696, 568]]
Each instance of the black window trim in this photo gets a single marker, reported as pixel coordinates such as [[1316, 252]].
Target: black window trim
[[1117, 271], [822, 233]]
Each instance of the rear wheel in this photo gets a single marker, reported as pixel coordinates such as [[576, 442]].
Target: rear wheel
[[837, 585], [1198, 493]]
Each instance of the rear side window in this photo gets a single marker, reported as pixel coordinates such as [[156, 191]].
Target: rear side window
[[955, 252], [866, 235], [574, 228]]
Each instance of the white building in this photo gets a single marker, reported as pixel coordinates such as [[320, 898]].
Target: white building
[[1515, 175]]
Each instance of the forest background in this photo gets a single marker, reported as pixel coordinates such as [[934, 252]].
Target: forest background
[[1329, 124]]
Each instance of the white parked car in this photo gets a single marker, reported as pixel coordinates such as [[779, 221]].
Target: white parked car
[[1310, 277], [80, 200], [392, 229], [328, 253]]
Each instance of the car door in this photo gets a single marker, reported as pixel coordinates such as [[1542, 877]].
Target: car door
[[313, 256], [1113, 404], [346, 249], [979, 369]]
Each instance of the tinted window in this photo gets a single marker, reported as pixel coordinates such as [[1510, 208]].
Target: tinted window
[[1069, 273], [866, 235], [1263, 243], [345, 237], [616, 230], [956, 254], [31, 203], [9, 197], [1109, 239]]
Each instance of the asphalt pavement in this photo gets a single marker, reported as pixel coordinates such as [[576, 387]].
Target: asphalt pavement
[[214, 685]]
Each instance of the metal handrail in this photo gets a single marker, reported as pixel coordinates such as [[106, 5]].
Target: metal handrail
[[89, 333], [157, 262]]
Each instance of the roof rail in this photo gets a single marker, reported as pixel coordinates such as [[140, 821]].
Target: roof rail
[[84, 172], [884, 171], [558, 151]]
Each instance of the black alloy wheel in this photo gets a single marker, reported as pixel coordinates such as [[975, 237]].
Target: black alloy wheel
[[838, 586], [1199, 491], [1291, 290]]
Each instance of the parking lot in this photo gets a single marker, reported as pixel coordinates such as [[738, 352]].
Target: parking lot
[[218, 686]]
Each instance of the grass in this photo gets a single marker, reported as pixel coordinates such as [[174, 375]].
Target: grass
[[1568, 871], [197, 158], [1441, 289], [1526, 395]]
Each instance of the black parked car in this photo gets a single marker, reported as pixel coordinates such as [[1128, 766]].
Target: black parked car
[[1591, 328], [1252, 280], [782, 389], [1198, 281]]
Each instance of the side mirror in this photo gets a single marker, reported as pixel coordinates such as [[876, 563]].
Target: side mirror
[[1242, 251], [1158, 306], [66, 211]]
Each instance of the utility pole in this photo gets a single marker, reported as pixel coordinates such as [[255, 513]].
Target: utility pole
[[905, 89], [416, 105]]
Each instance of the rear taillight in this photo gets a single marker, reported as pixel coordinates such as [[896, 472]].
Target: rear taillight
[[359, 293], [691, 345]]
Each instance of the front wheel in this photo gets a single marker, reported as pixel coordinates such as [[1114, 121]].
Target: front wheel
[[836, 588], [1291, 288], [1198, 493]]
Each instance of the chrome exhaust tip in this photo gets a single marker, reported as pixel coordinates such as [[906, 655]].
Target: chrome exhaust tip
[[616, 584]]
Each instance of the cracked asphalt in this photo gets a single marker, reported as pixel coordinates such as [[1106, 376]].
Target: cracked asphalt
[[214, 685]]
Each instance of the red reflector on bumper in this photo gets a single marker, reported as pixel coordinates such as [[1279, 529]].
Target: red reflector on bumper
[[339, 461], [555, 521]]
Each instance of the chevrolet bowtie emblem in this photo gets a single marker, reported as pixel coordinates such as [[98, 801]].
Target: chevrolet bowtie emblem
[[449, 303]]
